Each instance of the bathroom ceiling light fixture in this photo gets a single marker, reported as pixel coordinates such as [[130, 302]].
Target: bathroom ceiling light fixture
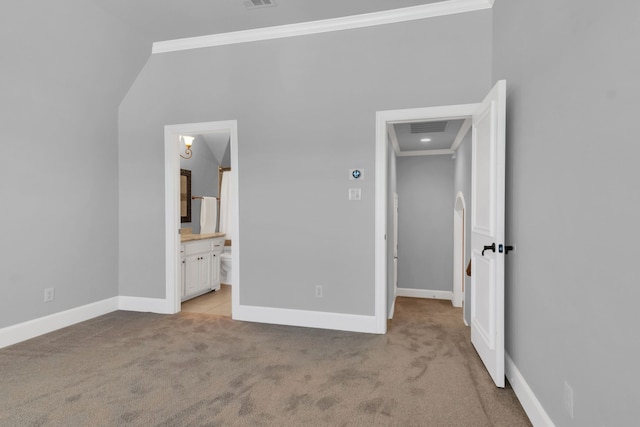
[[188, 142], [425, 140]]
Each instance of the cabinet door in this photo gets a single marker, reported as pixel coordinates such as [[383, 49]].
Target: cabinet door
[[191, 274], [205, 272], [215, 268]]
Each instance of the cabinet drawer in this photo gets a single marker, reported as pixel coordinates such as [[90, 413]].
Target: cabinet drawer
[[197, 247], [217, 245]]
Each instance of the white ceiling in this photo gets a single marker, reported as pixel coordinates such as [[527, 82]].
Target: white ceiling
[[173, 19], [408, 141]]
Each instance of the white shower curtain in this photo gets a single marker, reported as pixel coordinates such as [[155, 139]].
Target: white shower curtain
[[226, 205]]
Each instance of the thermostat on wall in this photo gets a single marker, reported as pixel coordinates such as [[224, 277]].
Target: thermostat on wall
[[356, 174]]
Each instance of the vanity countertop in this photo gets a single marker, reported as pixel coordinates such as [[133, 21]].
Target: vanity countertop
[[190, 237]]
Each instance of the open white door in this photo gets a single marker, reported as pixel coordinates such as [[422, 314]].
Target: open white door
[[487, 232]]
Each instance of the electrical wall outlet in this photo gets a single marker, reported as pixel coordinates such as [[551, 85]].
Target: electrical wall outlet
[[49, 295], [318, 291], [568, 399]]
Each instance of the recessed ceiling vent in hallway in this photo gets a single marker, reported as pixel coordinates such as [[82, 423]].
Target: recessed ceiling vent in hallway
[[255, 4], [428, 127]]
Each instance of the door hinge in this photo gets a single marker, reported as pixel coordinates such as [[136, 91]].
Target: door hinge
[[506, 249]]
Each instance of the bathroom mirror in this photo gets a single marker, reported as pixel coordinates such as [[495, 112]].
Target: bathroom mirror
[[185, 195]]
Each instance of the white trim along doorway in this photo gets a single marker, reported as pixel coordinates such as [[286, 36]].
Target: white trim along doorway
[[459, 231], [172, 148], [383, 119]]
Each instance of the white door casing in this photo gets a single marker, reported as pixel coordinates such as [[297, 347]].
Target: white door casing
[[487, 218], [487, 228], [458, 251], [395, 244], [383, 120]]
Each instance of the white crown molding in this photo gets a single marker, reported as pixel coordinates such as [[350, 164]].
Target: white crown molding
[[431, 10]]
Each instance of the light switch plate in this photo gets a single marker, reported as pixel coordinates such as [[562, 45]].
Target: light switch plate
[[355, 194]]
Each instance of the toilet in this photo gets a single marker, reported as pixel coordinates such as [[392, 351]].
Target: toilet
[[225, 266]]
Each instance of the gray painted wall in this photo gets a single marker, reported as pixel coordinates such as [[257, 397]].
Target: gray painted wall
[[425, 226], [306, 114], [462, 183], [66, 66], [204, 179], [573, 191]]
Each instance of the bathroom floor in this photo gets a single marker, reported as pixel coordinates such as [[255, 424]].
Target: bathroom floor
[[217, 303]]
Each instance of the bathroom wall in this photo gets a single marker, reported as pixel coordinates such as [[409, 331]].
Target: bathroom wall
[[425, 229], [306, 114], [204, 179], [462, 183], [66, 65]]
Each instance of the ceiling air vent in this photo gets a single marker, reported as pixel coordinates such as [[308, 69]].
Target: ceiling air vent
[[428, 127], [255, 4]]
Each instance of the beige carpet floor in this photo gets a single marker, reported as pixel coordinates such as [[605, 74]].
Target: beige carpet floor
[[145, 369]]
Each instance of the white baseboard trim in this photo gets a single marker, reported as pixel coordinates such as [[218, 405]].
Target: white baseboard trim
[[393, 309], [308, 319], [32, 328], [424, 293], [143, 305], [536, 413]]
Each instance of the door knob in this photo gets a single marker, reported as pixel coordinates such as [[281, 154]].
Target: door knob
[[491, 246]]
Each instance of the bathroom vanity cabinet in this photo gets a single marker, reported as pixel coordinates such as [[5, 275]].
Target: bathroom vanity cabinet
[[200, 266]]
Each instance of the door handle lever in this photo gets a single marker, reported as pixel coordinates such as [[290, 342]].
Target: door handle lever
[[491, 246]]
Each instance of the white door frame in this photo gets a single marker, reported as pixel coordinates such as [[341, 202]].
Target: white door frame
[[459, 213], [172, 149], [384, 118], [395, 245], [394, 256]]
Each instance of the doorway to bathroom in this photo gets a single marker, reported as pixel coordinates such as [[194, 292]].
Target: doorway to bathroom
[[196, 245]]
